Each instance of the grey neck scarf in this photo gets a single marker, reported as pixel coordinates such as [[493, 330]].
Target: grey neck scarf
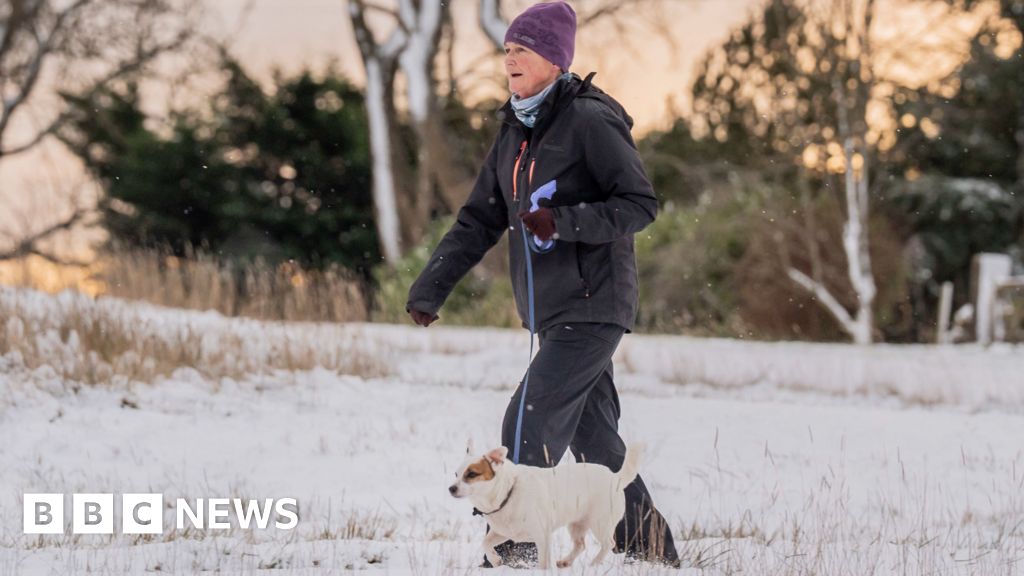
[[526, 109]]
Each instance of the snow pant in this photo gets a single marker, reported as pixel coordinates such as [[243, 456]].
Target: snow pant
[[571, 402]]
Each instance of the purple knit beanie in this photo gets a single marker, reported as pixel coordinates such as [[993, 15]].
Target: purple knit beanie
[[549, 29]]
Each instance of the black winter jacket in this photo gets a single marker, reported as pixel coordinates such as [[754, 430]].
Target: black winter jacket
[[582, 141]]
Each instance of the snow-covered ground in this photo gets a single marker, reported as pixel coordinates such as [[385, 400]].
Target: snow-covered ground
[[766, 458]]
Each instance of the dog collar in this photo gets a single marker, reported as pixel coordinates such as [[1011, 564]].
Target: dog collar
[[498, 509]]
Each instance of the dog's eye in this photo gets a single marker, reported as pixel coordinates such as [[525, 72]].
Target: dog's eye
[[471, 475]]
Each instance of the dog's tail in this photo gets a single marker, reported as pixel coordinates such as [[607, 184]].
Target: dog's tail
[[630, 466]]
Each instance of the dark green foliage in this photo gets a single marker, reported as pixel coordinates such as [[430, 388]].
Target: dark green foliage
[[956, 218], [282, 177], [687, 263], [960, 161], [482, 298], [976, 129]]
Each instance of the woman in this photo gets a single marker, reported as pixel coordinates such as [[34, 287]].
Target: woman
[[565, 168]]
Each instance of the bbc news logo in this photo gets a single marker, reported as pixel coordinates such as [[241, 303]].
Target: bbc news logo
[[144, 513]]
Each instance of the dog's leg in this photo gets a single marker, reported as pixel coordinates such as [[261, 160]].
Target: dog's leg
[[606, 547], [579, 535], [490, 541], [544, 552], [605, 534]]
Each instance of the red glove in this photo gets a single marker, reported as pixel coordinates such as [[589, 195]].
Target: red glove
[[541, 222], [422, 318]]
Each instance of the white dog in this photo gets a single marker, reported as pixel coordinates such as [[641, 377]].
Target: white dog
[[527, 504]]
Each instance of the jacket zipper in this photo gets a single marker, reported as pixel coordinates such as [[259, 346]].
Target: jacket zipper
[[515, 172], [529, 183]]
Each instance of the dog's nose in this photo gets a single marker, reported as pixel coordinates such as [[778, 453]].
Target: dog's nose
[[453, 489]]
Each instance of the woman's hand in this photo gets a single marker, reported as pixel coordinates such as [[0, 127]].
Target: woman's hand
[[541, 223], [422, 318]]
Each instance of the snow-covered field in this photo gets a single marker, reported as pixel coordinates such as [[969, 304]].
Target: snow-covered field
[[766, 458]]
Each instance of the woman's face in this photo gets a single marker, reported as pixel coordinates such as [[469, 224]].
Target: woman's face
[[528, 72]]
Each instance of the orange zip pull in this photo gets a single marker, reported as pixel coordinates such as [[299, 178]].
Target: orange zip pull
[[515, 171]]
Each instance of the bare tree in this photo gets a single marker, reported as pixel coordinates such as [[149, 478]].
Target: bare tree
[[848, 48], [853, 63], [492, 22], [796, 84], [417, 65], [411, 46], [28, 242], [381, 60], [84, 45]]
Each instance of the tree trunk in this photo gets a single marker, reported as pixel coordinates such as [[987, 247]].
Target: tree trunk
[[491, 22], [417, 62], [851, 65], [385, 205]]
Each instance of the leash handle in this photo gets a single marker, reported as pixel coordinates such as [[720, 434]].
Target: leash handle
[[545, 192]]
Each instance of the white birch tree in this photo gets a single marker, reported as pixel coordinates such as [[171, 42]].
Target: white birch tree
[[410, 47], [848, 47], [380, 60]]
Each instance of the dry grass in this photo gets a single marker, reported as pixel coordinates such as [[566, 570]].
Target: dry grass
[[84, 340], [360, 525], [257, 290], [203, 282]]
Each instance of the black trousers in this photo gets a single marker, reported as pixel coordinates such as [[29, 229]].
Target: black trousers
[[571, 402]]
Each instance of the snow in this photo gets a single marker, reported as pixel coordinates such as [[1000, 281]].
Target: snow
[[978, 193], [767, 458]]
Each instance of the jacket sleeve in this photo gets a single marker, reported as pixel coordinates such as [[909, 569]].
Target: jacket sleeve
[[478, 227], [613, 161]]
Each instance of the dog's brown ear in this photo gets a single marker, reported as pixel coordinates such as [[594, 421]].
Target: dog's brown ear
[[497, 456]]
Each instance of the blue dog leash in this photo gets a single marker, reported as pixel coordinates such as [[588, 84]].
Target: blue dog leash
[[526, 381], [540, 247]]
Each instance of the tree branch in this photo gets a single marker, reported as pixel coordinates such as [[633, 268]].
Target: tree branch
[[27, 246], [608, 9], [127, 67], [492, 23], [369, 47], [34, 67], [823, 295]]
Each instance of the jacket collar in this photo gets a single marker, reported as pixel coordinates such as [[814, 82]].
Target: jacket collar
[[559, 97]]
